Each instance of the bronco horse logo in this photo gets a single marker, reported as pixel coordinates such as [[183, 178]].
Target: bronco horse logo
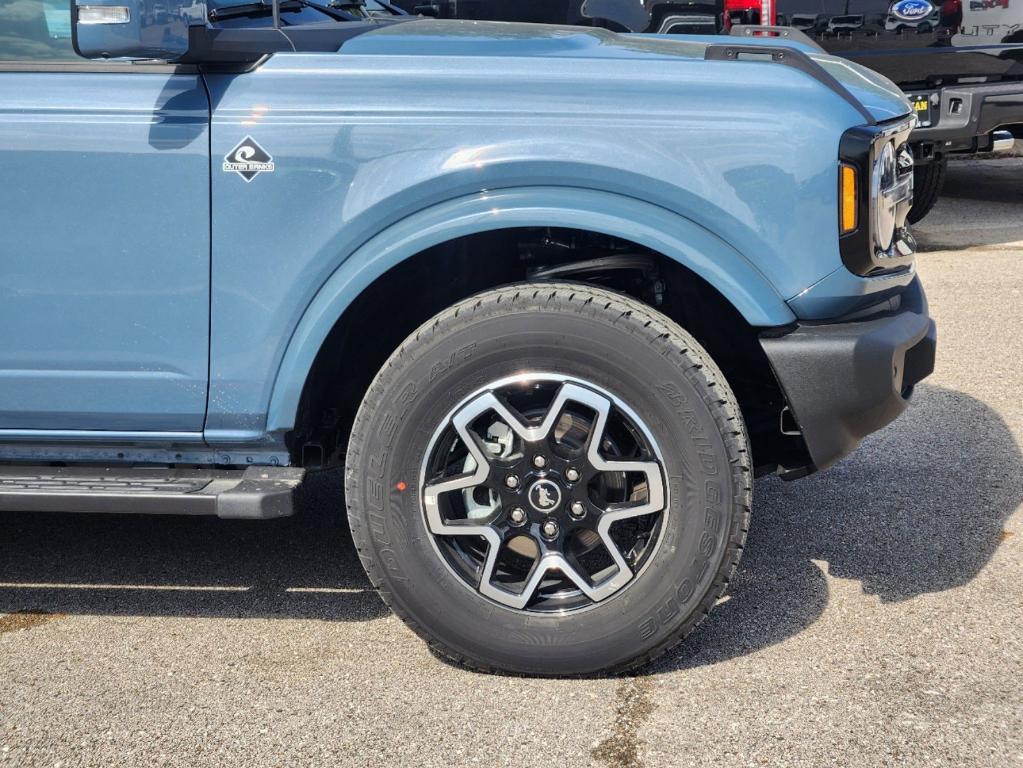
[[544, 495], [544, 498]]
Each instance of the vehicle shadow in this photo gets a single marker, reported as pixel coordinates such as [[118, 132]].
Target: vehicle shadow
[[300, 567], [978, 207], [919, 508]]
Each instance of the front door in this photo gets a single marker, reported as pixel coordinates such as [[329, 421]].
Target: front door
[[104, 236]]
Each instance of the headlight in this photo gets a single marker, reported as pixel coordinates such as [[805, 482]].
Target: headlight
[[882, 201], [875, 195]]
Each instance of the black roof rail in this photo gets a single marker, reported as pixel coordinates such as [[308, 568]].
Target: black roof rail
[[789, 57], [769, 30]]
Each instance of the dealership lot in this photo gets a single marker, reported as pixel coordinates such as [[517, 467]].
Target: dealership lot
[[875, 619]]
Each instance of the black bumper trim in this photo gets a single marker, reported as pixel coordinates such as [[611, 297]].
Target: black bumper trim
[[846, 379]]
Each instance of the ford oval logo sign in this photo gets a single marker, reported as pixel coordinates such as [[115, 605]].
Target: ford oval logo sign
[[912, 10]]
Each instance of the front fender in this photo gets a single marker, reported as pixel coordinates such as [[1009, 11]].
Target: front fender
[[615, 215]]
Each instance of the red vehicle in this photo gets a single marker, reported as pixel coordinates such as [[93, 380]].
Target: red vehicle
[[748, 12]]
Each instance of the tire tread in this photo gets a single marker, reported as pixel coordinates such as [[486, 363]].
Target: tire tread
[[928, 182]]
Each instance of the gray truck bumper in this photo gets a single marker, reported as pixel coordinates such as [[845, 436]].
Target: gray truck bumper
[[967, 114]]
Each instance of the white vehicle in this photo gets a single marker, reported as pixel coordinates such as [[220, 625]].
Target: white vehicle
[[844, 25], [808, 22]]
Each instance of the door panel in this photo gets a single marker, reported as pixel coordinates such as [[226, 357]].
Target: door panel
[[104, 251]]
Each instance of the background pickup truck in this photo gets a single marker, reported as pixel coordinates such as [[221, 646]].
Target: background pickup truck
[[551, 296], [959, 61]]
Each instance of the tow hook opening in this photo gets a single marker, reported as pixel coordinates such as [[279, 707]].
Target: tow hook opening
[[787, 423]]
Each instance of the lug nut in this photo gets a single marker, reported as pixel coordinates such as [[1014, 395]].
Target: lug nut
[[571, 474], [511, 481], [577, 509], [539, 462], [549, 529], [517, 516]]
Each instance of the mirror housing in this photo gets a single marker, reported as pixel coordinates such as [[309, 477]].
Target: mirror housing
[[134, 29]]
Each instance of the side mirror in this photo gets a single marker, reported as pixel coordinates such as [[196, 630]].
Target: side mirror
[[134, 29]]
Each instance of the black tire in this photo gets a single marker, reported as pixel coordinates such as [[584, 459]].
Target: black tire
[[928, 181], [597, 336]]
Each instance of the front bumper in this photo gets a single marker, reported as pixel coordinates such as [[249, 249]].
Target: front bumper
[[847, 378]]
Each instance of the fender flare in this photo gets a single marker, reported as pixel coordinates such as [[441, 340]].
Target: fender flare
[[612, 214]]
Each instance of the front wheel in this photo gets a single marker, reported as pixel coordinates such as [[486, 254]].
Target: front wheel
[[928, 181], [549, 478]]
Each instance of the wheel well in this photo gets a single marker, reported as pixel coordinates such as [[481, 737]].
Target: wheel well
[[412, 292]]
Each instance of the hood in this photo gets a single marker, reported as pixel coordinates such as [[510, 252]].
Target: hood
[[433, 37], [882, 98]]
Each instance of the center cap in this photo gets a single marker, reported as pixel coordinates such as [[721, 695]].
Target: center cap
[[544, 496]]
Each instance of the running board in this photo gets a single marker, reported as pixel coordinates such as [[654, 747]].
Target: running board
[[250, 493]]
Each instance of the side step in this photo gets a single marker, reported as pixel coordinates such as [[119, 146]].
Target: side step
[[252, 493]]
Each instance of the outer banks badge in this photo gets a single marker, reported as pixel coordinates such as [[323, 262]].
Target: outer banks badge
[[248, 160]]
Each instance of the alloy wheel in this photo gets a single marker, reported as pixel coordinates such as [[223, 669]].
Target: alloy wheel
[[544, 493]]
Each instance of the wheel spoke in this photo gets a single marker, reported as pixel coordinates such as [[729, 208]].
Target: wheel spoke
[[552, 561], [654, 503], [651, 470], [433, 491]]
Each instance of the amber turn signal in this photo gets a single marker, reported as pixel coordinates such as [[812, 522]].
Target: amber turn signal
[[847, 189]]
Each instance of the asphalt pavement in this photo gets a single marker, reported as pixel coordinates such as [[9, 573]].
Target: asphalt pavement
[[877, 617]]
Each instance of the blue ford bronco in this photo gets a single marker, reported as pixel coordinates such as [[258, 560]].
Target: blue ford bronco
[[552, 296]]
